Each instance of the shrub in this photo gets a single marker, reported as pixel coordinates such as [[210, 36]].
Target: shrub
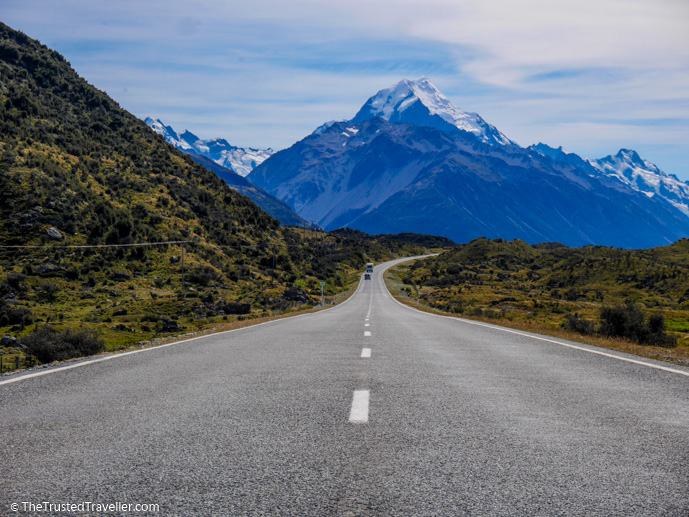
[[204, 275], [628, 321], [10, 315], [658, 337], [48, 291], [15, 281], [49, 344], [625, 321], [576, 324], [236, 308]]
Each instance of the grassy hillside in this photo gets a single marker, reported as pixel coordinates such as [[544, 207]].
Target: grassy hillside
[[553, 286], [84, 184]]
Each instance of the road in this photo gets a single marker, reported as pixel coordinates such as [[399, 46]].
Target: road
[[368, 408]]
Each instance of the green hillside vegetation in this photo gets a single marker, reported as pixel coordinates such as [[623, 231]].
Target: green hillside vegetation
[[639, 295], [417, 239], [84, 183]]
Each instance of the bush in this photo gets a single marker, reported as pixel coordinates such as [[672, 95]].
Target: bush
[[48, 291], [628, 321], [658, 337], [576, 324], [49, 344], [236, 308], [10, 315], [204, 275]]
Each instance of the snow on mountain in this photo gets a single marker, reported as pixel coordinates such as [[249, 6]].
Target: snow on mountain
[[171, 135], [419, 102], [323, 127], [240, 160], [383, 177], [628, 167]]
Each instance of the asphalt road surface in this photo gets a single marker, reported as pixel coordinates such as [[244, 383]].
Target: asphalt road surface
[[368, 408]]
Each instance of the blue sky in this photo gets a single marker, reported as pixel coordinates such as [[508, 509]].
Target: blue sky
[[592, 76]]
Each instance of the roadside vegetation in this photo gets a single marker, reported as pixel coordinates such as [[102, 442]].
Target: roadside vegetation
[[632, 300], [57, 303]]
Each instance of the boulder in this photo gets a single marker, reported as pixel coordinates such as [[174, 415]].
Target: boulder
[[54, 234], [9, 342]]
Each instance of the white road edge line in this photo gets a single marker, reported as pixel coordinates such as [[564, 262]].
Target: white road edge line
[[359, 411], [583, 349], [366, 353]]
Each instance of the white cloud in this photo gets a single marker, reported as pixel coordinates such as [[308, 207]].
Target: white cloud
[[265, 73]]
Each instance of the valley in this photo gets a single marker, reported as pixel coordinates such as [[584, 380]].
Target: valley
[[402, 313]]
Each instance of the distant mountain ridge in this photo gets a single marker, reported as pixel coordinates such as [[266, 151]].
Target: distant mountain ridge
[[240, 160], [628, 168], [409, 161], [642, 175], [202, 152]]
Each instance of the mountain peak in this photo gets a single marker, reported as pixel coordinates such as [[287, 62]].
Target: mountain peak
[[419, 102], [628, 159], [239, 160]]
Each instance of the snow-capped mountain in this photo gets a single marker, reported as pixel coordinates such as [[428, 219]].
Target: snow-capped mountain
[[213, 154], [629, 169], [420, 103], [381, 177], [240, 160], [410, 161], [182, 142]]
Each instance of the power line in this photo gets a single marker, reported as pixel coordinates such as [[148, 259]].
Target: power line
[[75, 246]]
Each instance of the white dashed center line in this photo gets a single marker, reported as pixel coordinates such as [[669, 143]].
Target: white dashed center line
[[367, 333], [359, 412], [365, 352], [367, 324]]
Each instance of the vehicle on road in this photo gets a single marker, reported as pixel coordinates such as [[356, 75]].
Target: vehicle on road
[[369, 267], [367, 276]]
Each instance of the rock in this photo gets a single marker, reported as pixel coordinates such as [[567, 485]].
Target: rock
[[171, 326], [9, 342], [54, 234], [47, 268], [30, 219], [296, 294]]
